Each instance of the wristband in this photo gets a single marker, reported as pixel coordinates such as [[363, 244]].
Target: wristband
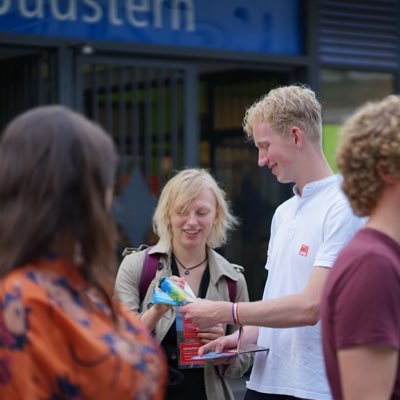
[[234, 313], [237, 314]]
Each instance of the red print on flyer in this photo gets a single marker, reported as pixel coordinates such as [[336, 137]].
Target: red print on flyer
[[189, 345], [189, 350], [304, 250]]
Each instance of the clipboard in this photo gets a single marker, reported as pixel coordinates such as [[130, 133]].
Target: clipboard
[[246, 348]]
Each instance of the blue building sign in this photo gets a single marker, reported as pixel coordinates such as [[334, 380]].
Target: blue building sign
[[263, 26]]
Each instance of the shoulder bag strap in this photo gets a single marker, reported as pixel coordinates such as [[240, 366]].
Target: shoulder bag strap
[[232, 289], [149, 269]]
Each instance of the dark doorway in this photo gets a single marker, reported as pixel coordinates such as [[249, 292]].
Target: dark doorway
[[27, 79], [253, 191]]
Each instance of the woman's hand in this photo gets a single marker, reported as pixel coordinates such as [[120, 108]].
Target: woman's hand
[[209, 334], [151, 317], [218, 346], [178, 281]]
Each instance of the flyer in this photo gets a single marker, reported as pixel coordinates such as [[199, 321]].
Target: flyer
[[188, 343], [246, 348]]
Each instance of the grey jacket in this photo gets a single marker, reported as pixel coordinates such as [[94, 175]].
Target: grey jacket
[[127, 290]]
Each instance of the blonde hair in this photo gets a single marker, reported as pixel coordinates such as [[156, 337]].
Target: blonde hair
[[370, 146], [285, 107], [180, 192]]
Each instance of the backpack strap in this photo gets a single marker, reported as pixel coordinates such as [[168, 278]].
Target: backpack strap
[[231, 288], [149, 269]]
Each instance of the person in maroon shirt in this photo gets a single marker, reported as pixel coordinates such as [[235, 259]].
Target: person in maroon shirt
[[361, 301]]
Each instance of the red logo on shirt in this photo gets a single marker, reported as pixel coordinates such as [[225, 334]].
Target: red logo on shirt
[[304, 250]]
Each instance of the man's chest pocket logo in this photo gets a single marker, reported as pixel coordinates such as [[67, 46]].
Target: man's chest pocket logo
[[304, 250]]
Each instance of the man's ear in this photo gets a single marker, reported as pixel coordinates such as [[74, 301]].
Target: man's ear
[[297, 135]]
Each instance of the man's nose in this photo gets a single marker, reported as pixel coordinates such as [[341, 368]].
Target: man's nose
[[262, 159]]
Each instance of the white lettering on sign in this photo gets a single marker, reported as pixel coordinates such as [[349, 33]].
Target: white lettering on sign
[[4, 7], [34, 12], [113, 7], [66, 13], [96, 9], [176, 14], [172, 14], [176, 17], [133, 11]]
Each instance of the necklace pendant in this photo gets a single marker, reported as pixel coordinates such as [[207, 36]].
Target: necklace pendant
[[187, 272]]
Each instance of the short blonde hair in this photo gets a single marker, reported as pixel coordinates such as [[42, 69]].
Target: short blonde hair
[[285, 107], [180, 192], [369, 146]]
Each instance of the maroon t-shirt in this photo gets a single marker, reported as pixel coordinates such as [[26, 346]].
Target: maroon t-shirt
[[361, 301]]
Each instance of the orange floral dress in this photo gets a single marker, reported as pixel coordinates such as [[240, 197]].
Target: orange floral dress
[[59, 341]]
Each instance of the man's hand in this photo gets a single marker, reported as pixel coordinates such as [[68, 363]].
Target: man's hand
[[206, 313]]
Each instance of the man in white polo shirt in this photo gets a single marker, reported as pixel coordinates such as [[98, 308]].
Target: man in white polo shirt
[[307, 233]]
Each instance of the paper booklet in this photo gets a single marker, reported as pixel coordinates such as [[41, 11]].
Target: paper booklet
[[246, 348]]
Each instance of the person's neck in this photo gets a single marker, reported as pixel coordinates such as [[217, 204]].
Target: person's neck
[[190, 256], [385, 216], [66, 248], [314, 167]]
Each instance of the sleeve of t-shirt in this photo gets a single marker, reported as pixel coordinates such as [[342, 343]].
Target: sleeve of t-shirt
[[339, 227], [367, 308]]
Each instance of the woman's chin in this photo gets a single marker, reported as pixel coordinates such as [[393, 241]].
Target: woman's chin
[[192, 242]]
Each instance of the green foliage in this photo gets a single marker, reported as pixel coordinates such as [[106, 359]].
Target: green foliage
[[330, 140]]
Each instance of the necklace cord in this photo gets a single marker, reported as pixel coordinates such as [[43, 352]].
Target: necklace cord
[[186, 268]]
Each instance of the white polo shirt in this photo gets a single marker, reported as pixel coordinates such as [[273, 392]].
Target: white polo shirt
[[306, 231]]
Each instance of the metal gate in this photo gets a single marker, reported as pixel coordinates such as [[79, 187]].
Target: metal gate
[[27, 79], [150, 109]]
